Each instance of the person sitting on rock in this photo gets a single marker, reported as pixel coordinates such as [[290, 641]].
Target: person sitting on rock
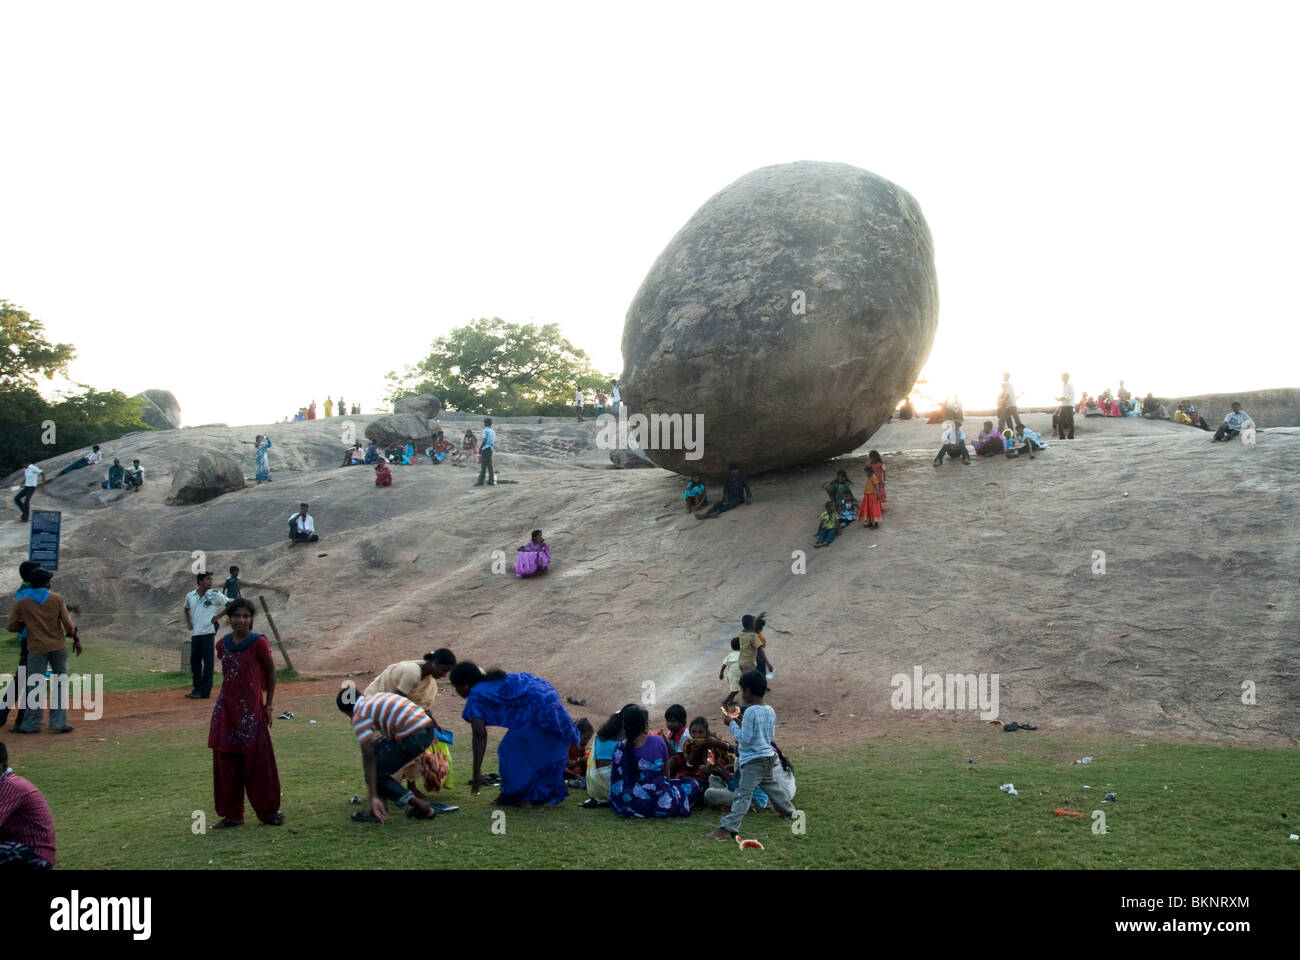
[[89, 460], [954, 443], [735, 491], [383, 476], [907, 411], [1232, 424], [696, 494], [1031, 439], [408, 455], [837, 488], [1197, 419], [352, 455], [1153, 409], [533, 557], [372, 453], [468, 447], [849, 510], [393, 453], [990, 441], [828, 525], [116, 476], [440, 449], [302, 526], [135, 476]]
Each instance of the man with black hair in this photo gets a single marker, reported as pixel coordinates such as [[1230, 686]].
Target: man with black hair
[[89, 460], [204, 606], [24, 571], [44, 615], [392, 732], [485, 454], [735, 491], [302, 526]]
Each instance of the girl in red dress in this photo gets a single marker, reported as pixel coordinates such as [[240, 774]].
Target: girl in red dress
[[240, 735], [877, 466]]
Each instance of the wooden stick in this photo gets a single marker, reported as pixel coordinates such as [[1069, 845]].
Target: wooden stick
[[287, 662]]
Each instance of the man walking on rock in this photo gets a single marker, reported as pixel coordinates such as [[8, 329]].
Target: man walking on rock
[[1065, 415]]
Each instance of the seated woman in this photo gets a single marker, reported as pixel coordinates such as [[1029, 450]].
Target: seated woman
[[637, 785], [696, 495], [383, 476], [989, 443], [533, 557], [532, 755], [468, 447], [599, 759], [352, 456], [408, 455], [837, 488], [372, 453], [393, 453]]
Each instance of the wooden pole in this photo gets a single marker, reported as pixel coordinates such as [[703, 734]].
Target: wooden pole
[[287, 662]]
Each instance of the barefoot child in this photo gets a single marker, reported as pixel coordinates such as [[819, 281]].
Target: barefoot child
[[827, 526], [576, 768], [850, 511], [870, 512], [877, 467], [757, 758], [730, 671]]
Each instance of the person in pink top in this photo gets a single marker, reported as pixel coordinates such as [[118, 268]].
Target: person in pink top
[[26, 827], [533, 557]]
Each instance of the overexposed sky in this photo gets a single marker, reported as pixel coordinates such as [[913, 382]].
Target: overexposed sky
[[257, 204]]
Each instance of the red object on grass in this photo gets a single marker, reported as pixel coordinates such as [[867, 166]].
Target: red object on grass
[[1069, 813]]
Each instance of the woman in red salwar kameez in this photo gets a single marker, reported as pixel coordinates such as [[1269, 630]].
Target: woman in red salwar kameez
[[240, 736]]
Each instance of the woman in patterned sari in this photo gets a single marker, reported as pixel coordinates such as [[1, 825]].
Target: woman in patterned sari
[[533, 753], [263, 458], [638, 786]]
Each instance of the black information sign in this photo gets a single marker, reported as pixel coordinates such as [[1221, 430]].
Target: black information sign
[[44, 547]]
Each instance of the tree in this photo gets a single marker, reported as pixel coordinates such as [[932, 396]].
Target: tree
[[78, 419], [24, 351], [502, 369]]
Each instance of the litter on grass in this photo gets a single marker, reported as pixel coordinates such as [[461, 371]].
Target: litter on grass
[[1009, 788], [1084, 760]]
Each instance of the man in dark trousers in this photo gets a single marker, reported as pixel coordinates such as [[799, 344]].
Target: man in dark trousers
[[1065, 414], [203, 608], [485, 454], [735, 491]]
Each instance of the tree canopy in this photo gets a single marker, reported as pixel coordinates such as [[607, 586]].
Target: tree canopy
[[503, 369], [78, 419]]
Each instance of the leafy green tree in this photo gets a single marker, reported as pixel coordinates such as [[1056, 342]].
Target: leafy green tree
[[502, 369], [80, 418]]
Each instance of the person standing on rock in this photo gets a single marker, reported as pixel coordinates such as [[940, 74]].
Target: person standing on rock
[[577, 403], [204, 606], [343, 410], [1007, 410], [485, 454], [329, 408], [1065, 415], [33, 477], [616, 397], [735, 491], [601, 399], [311, 411], [263, 445], [302, 526]]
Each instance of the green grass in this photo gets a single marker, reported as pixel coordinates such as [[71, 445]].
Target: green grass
[[125, 666], [890, 804]]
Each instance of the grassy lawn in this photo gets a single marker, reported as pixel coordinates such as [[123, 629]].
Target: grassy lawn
[[125, 666], [890, 804]]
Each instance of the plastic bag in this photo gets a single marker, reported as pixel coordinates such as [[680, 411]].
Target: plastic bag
[[440, 747]]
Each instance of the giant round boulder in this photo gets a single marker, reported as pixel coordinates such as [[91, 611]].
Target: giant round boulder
[[791, 313], [160, 409], [215, 473], [401, 428], [425, 404]]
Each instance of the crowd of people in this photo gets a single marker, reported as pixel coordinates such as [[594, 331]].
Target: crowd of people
[[331, 409]]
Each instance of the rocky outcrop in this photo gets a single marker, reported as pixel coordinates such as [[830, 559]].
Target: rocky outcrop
[[792, 311], [214, 474], [401, 428], [161, 411], [425, 404]]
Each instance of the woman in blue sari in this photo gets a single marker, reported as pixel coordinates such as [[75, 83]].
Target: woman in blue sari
[[534, 751], [637, 785], [263, 458]]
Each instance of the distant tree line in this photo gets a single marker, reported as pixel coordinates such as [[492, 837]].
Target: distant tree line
[[502, 369], [33, 428]]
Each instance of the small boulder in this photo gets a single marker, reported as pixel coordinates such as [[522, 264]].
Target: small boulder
[[214, 474], [424, 403], [629, 458], [401, 428], [161, 411]]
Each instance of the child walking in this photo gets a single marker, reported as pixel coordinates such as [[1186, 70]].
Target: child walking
[[827, 526], [730, 671], [756, 760]]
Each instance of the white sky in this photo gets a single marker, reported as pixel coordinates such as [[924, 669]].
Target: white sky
[[257, 204]]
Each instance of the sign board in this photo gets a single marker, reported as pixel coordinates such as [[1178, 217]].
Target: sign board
[[44, 548]]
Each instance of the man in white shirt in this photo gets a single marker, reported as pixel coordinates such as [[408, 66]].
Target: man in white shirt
[[1065, 415], [1232, 424], [33, 477], [203, 608], [1007, 411], [616, 397], [302, 526], [89, 460], [954, 444], [485, 454]]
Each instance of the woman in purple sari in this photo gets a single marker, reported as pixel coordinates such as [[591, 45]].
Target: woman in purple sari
[[637, 785], [532, 756], [533, 557]]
